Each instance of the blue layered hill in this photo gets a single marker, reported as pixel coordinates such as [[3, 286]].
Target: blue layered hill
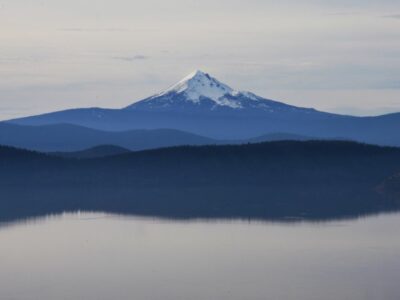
[[202, 105], [67, 137], [88, 142]]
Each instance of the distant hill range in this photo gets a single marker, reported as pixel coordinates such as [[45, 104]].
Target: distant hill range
[[71, 138], [95, 152], [111, 150], [276, 180], [202, 105], [67, 137]]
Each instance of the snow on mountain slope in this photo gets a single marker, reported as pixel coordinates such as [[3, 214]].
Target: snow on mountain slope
[[199, 84], [202, 105], [200, 91]]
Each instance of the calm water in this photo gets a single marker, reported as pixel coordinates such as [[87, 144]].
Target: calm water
[[97, 256]]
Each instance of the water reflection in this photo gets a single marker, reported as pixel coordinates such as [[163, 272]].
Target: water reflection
[[102, 256], [196, 204], [93, 215]]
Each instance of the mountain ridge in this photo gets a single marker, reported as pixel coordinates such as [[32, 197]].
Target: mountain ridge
[[202, 105], [200, 91], [74, 138], [93, 152], [69, 137]]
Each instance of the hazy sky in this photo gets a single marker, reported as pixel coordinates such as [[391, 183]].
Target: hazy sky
[[335, 55]]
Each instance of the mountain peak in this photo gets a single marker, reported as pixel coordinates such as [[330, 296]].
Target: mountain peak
[[199, 84], [196, 73], [201, 92]]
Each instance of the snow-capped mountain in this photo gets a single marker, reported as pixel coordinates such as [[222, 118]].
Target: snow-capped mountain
[[202, 105], [199, 85], [201, 92]]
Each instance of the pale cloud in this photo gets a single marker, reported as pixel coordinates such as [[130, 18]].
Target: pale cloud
[[115, 52], [131, 58], [94, 29], [392, 16], [343, 13]]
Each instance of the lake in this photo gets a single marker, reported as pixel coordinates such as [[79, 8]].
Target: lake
[[92, 256]]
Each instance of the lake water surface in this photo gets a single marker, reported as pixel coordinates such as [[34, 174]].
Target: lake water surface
[[88, 256]]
